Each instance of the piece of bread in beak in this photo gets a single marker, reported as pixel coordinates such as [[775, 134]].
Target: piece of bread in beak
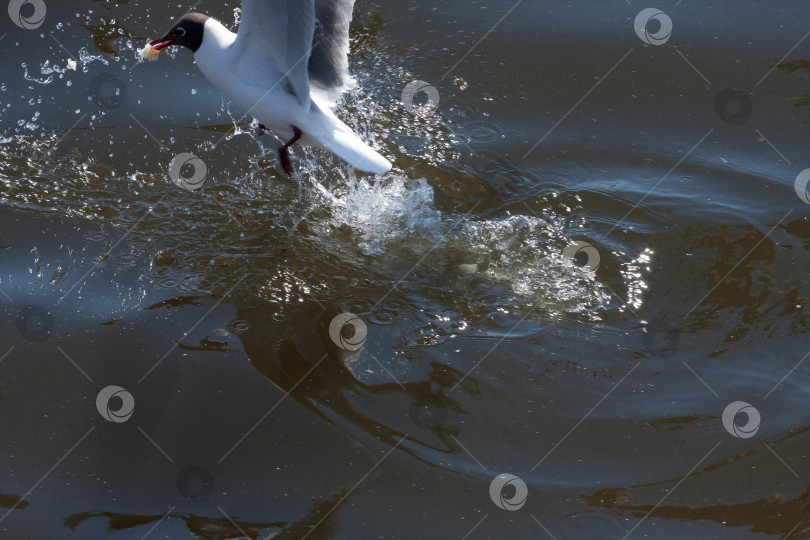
[[148, 53]]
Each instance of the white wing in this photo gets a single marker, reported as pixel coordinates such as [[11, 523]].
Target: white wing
[[274, 44], [329, 61]]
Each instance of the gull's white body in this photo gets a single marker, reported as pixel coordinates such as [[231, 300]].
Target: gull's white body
[[243, 73]]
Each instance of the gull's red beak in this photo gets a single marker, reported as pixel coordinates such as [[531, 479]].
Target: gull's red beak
[[159, 44]]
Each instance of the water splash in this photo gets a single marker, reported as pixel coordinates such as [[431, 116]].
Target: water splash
[[283, 237]]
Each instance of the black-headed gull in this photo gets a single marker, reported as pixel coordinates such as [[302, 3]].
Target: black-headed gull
[[287, 66]]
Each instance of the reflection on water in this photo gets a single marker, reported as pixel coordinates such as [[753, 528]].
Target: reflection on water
[[225, 527], [579, 317], [802, 100], [327, 378]]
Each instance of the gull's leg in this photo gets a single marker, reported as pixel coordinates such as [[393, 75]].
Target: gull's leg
[[284, 154]]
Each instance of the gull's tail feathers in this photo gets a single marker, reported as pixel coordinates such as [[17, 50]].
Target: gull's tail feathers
[[331, 134], [328, 97]]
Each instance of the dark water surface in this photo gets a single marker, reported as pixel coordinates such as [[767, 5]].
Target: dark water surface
[[588, 270]]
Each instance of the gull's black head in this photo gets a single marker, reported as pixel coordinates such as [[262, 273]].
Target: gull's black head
[[187, 32]]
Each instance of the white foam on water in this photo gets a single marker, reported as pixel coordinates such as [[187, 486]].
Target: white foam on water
[[396, 217], [388, 209]]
